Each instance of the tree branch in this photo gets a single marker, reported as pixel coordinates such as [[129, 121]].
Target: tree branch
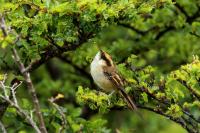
[[31, 90], [189, 19], [2, 127], [14, 103], [176, 120], [167, 103], [3, 26], [49, 54], [137, 30], [163, 32], [57, 107], [191, 90]]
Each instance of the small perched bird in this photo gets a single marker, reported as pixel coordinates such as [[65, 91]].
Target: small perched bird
[[104, 74]]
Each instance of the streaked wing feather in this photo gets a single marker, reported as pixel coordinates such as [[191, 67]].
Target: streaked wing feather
[[113, 76]]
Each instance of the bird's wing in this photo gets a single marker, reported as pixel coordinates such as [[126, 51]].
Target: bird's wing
[[113, 76]]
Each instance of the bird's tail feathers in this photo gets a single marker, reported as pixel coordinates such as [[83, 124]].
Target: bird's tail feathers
[[129, 101]]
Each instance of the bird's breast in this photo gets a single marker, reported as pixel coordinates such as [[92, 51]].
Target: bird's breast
[[100, 79]]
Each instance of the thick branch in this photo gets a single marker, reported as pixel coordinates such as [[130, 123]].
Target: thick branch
[[49, 54], [31, 90]]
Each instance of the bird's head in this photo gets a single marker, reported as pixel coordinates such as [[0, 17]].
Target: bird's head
[[104, 58]]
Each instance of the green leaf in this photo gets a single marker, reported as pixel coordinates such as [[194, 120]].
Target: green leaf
[[196, 28], [145, 97], [26, 103], [175, 111]]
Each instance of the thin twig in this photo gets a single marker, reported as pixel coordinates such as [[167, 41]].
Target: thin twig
[[13, 91], [23, 113], [64, 122], [166, 102], [14, 103], [191, 90], [3, 129], [3, 86], [3, 26]]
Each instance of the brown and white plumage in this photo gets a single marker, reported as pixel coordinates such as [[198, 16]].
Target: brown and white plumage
[[105, 75]]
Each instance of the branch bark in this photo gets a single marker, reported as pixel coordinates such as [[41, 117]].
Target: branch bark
[[31, 90], [3, 129]]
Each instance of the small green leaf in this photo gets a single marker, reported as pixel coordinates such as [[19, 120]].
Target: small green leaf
[[175, 111], [145, 97]]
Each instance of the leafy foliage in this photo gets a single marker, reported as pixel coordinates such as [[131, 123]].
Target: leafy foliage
[[155, 45]]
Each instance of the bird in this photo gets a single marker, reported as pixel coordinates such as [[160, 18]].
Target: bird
[[105, 75]]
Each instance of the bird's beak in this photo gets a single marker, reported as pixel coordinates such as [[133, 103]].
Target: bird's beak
[[101, 51]]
